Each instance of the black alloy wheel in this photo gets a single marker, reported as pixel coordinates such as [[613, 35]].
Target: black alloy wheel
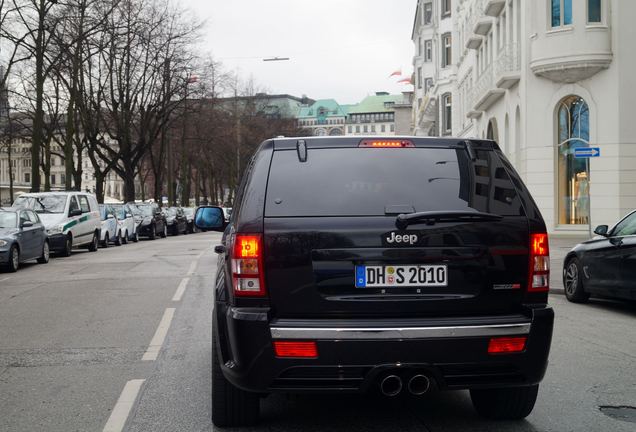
[[573, 282]]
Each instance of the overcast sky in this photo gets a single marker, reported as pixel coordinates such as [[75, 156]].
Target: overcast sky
[[341, 49]]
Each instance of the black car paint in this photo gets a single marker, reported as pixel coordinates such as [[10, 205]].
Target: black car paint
[[156, 222], [295, 253], [608, 264]]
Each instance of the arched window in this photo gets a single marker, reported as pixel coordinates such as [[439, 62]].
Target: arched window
[[573, 131]]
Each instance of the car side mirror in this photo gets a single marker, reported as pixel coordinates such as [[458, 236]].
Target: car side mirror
[[26, 224], [210, 218], [129, 215], [110, 216], [75, 212], [601, 230]]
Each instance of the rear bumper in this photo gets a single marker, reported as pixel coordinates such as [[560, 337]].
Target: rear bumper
[[352, 356]]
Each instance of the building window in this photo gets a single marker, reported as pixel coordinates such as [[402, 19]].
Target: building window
[[52, 179], [573, 124], [428, 13], [392, 128], [27, 177], [446, 8], [447, 53], [373, 128], [428, 85], [419, 46], [447, 114], [561, 12], [357, 129], [366, 128], [63, 178], [350, 129], [428, 50], [419, 77], [594, 14], [383, 128]]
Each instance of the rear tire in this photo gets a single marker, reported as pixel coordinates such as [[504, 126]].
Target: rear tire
[[68, 247], [94, 243], [164, 233], [118, 240], [153, 233], [514, 403], [231, 406], [124, 239], [136, 237], [46, 254], [573, 282]]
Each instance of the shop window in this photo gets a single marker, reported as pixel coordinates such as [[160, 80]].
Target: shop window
[[573, 124]]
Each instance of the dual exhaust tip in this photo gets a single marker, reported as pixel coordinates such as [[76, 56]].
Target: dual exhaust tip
[[417, 385]]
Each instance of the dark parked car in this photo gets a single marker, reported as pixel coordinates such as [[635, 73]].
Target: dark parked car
[[189, 214], [176, 220], [151, 221], [605, 265], [391, 265], [22, 238]]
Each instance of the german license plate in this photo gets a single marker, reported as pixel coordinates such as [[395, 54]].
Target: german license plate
[[401, 276]]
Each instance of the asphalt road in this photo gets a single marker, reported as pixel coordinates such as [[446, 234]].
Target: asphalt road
[[74, 335]]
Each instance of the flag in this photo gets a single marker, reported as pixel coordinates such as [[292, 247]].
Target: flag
[[396, 73], [405, 81], [193, 79]]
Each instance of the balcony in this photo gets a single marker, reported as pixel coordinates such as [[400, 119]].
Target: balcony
[[493, 8], [485, 93], [508, 66], [474, 42], [482, 25]]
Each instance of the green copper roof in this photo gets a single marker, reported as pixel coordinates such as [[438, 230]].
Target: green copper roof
[[376, 104], [323, 108]]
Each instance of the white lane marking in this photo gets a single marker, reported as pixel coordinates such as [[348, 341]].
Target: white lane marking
[[121, 411], [5, 279], [181, 289], [193, 267], [160, 335]]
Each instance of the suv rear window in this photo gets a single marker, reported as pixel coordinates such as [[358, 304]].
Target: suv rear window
[[365, 182]]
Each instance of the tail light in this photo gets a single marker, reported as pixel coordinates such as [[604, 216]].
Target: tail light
[[247, 266], [539, 266], [507, 345], [386, 144], [296, 349]]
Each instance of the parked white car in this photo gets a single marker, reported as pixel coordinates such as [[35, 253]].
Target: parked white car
[[125, 222], [110, 228], [71, 219]]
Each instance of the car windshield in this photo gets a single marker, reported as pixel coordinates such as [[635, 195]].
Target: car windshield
[[120, 212], [8, 219], [103, 212], [171, 211], [42, 204]]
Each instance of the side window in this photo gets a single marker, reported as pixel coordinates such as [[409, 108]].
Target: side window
[[626, 228], [33, 217], [23, 217], [73, 205], [83, 200]]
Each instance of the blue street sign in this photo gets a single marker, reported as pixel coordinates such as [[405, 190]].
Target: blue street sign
[[587, 152]]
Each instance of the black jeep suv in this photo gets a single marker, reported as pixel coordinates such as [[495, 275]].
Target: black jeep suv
[[402, 266]]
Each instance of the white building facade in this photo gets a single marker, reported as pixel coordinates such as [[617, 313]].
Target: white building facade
[[544, 78]]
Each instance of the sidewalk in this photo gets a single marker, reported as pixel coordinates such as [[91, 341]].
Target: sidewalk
[[559, 248]]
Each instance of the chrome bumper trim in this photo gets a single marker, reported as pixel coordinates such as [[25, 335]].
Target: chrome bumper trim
[[399, 333]]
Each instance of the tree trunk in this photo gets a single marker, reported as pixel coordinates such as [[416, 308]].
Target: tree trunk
[[129, 183], [99, 186], [10, 171], [46, 165]]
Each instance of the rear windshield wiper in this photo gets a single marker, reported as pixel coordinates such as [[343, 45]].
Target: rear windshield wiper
[[432, 217]]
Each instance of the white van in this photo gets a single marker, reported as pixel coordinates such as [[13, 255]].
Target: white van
[[71, 219]]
